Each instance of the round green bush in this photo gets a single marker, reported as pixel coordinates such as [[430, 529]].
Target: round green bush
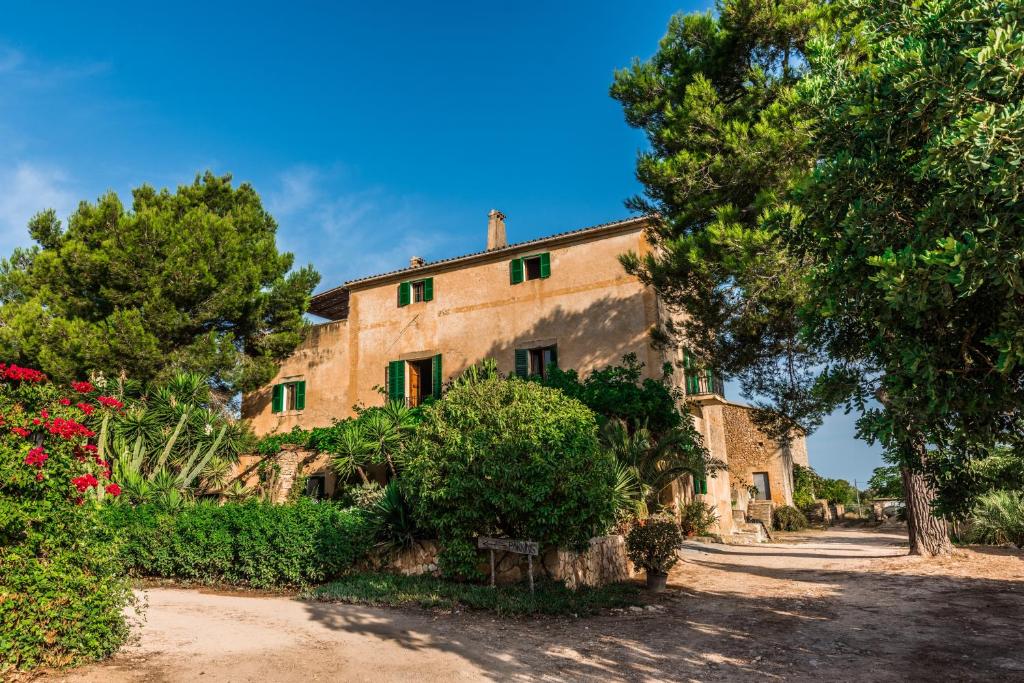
[[788, 518], [652, 544], [508, 458], [62, 594]]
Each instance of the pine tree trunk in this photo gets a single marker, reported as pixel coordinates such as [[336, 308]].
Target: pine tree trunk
[[929, 535]]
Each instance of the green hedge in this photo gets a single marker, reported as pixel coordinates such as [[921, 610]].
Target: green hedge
[[253, 543]]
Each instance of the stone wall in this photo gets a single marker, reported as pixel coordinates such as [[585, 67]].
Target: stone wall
[[752, 450], [603, 563]]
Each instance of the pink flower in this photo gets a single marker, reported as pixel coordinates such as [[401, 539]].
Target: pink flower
[[85, 408], [65, 401], [113, 489], [21, 374], [39, 476], [37, 456], [21, 431], [85, 482], [82, 387]]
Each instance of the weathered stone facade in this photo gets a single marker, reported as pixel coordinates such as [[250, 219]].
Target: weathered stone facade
[[583, 305]]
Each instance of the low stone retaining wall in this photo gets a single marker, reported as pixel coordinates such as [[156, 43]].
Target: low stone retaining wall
[[603, 563]]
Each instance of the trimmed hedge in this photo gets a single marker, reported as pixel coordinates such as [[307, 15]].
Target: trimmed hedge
[[252, 543]]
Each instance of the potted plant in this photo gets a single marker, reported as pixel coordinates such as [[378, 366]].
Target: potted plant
[[652, 545]]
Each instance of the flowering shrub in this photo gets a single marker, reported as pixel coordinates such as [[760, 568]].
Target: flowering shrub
[[62, 594], [652, 544]]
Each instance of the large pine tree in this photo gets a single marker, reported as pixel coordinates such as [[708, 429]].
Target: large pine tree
[[186, 280]]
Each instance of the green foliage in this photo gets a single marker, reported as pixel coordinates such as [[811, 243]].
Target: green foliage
[[652, 544], [788, 518], [62, 595], [252, 543], [620, 392], [913, 222], [172, 443], [728, 139], [696, 518], [655, 462], [189, 280], [804, 480], [998, 517], [395, 525], [886, 482], [551, 598], [508, 458]]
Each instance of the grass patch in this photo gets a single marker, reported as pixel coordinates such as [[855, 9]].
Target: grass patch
[[552, 597]]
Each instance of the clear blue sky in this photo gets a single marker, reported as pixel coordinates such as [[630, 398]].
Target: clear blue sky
[[374, 131]]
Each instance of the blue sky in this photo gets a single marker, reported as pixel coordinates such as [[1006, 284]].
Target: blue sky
[[374, 131]]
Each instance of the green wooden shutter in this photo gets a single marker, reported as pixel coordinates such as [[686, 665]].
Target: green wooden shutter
[[704, 486], [428, 289], [300, 395], [396, 380], [522, 362], [516, 270], [438, 375], [545, 265], [554, 356], [404, 294], [277, 398]]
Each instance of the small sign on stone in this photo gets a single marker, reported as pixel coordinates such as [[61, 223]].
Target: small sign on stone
[[509, 545]]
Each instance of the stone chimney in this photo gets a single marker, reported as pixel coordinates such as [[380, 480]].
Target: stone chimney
[[416, 262], [496, 238]]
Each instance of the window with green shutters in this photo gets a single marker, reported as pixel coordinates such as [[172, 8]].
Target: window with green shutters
[[530, 268], [536, 362], [437, 376], [396, 380], [288, 396], [415, 291], [700, 486]]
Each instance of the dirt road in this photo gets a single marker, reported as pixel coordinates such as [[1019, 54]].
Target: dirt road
[[841, 605]]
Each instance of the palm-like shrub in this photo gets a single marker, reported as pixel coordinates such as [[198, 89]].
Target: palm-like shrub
[[653, 462], [998, 518]]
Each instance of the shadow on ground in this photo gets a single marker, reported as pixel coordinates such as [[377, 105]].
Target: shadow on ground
[[743, 614]]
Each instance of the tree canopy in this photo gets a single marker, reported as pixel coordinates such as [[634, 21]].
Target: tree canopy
[[189, 280]]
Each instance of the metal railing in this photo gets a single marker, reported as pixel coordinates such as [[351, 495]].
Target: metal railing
[[703, 382]]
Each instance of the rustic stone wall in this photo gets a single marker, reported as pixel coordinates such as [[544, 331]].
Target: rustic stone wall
[[293, 463], [752, 450], [603, 563]]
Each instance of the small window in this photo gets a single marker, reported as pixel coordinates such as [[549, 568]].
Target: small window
[[531, 267], [288, 396], [536, 362], [417, 291]]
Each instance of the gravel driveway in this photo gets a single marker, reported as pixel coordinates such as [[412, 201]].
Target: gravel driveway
[[837, 605]]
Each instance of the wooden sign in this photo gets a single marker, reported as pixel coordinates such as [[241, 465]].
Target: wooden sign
[[508, 545]]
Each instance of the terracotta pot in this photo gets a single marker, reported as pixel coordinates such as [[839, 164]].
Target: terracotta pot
[[656, 581]]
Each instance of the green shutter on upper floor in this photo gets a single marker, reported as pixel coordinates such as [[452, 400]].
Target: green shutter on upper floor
[[396, 380], [522, 362], [437, 375], [428, 289], [300, 395], [404, 294], [277, 398], [545, 265], [515, 268]]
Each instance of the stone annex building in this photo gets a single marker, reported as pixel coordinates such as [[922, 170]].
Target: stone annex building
[[563, 299]]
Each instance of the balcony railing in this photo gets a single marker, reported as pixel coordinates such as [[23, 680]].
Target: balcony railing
[[700, 382]]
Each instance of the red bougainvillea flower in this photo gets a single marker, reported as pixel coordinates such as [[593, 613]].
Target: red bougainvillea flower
[[65, 401], [39, 476], [83, 387], [85, 482], [43, 414], [79, 500], [21, 431], [37, 456], [113, 489], [91, 447], [21, 374], [85, 408], [109, 402], [68, 429], [36, 421]]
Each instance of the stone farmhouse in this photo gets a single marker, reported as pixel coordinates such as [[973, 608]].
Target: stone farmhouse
[[563, 299]]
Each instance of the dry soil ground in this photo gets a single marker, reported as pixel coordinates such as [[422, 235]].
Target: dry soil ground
[[840, 605]]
